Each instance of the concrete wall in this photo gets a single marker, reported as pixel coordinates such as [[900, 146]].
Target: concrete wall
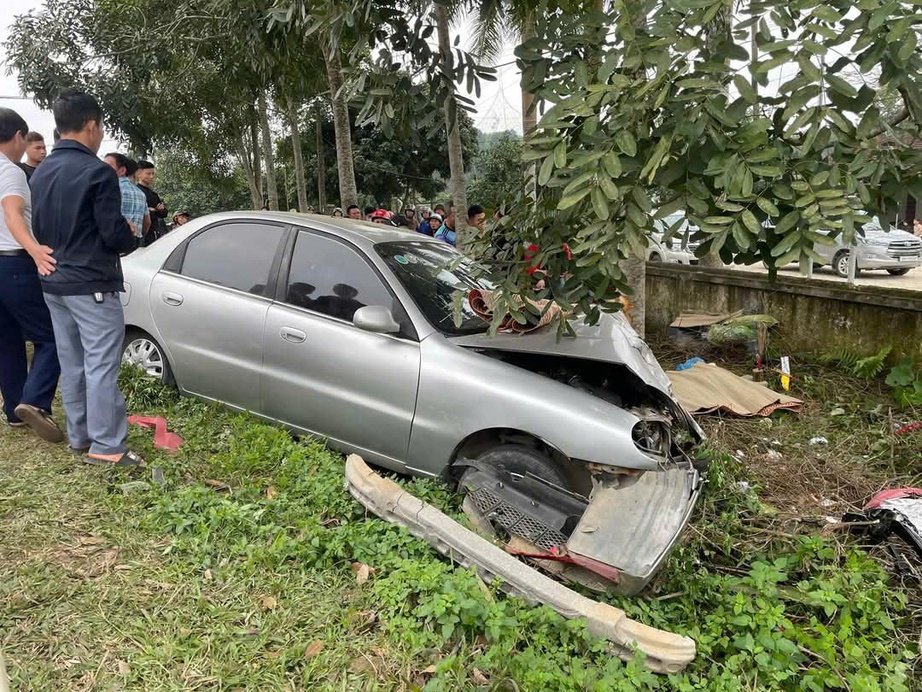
[[815, 316]]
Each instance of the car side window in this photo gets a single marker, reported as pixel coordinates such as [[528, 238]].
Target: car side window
[[331, 278], [235, 255]]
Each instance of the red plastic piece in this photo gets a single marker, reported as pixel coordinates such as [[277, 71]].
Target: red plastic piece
[[163, 438]]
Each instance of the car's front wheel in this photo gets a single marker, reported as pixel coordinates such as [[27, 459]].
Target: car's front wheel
[[898, 272], [840, 265], [142, 351], [655, 257]]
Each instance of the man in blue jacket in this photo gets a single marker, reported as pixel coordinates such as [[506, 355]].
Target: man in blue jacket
[[78, 212]]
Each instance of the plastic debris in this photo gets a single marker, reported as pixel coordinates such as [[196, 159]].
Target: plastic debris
[[688, 364], [819, 441]]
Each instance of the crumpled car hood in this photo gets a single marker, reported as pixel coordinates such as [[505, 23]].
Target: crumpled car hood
[[611, 339]]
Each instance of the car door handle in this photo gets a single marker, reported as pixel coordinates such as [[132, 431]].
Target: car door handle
[[172, 298], [295, 336]]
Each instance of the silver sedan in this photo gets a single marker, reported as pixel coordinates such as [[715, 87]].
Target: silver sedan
[[354, 333]]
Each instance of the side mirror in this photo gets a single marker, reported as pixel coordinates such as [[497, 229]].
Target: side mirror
[[375, 318]]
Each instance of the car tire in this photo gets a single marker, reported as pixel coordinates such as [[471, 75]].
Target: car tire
[[142, 350], [898, 272], [840, 265], [655, 257], [521, 459]]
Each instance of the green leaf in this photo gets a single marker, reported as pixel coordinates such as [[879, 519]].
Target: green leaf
[[608, 187], [766, 171], [626, 143], [819, 179], [786, 243], [547, 168], [600, 204], [574, 199], [767, 206], [578, 181], [788, 221], [612, 164], [719, 220], [752, 223], [840, 85], [745, 88], [560, 155]]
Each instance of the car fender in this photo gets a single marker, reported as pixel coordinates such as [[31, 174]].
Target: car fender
[[463, 392]]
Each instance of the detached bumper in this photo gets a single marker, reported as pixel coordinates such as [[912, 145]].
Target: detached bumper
[[665, 652], [633, 529]]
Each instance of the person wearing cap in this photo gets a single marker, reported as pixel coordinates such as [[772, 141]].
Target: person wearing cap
[[409, 214], [381, 216], [180, 218], [337, 213], [447, 232], [432, 225]]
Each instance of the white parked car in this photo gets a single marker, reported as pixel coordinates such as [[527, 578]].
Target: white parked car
[[894, 250], [678, 248]]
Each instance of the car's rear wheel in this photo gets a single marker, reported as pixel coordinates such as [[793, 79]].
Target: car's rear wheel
[[142, 351], [840, 265], [656, 257], [898, 272]]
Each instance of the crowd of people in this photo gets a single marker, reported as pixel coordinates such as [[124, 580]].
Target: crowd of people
[[67, 219], [438, 222]]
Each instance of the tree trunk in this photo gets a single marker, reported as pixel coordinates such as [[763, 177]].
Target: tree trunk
[[321, 167], [255, 156], [300, 181], [268, 154], [345, 166], [453, 127], [246, 164]]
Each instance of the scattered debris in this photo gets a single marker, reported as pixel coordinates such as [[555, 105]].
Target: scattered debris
[[818, 441], [163, 438], [912, 427], [314, 648], [362, 572], [898, 510], [689, 364]]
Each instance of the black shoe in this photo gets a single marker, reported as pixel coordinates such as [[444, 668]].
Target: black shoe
[[41, 422]]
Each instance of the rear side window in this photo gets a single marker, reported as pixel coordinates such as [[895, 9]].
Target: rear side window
[[235, 255]]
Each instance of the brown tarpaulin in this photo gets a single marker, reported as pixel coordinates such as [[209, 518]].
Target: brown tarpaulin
[[706, 388]]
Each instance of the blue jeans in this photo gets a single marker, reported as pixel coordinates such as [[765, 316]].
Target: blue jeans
[[24, 317], [90, 336]]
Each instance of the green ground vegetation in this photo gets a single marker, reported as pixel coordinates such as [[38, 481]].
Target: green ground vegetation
[[252, 568]]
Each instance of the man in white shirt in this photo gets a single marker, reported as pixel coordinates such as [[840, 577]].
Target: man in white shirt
[[27, 393]]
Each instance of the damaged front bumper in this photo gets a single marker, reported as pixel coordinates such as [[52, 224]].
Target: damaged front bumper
[[623, 533], [664, 652]]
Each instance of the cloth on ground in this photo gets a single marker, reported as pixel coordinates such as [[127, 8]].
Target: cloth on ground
[[707, 388]]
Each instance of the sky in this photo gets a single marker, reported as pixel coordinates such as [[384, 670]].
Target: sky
[[498, 107]]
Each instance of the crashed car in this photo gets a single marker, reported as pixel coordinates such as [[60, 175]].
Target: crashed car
[[354, 333]]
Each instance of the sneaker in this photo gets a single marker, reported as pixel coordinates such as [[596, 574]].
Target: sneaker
[[16, 424], [41, 422]]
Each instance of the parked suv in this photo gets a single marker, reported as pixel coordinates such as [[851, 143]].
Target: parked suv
[[895, 251]]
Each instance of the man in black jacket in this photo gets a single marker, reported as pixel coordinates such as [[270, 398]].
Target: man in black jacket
[[155, 205], [78, 212]]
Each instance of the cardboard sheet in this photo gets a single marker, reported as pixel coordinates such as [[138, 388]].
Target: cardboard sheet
[[706, 388], [690, 320]]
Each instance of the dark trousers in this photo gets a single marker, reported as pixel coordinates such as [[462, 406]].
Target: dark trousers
[[24, 317]]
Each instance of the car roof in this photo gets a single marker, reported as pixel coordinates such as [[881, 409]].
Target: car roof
[[363, 233]]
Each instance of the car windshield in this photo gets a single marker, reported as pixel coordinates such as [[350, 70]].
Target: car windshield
[[434, 274]]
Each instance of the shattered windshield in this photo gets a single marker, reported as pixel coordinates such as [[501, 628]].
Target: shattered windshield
[[438, 279]]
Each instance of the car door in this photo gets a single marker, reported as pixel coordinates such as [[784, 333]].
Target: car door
[[209, 305], [324, 375]]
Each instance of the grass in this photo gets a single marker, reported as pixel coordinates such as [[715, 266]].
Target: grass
[[244, 570]]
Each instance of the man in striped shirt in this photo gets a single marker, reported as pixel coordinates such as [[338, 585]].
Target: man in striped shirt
[[134, 203]]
